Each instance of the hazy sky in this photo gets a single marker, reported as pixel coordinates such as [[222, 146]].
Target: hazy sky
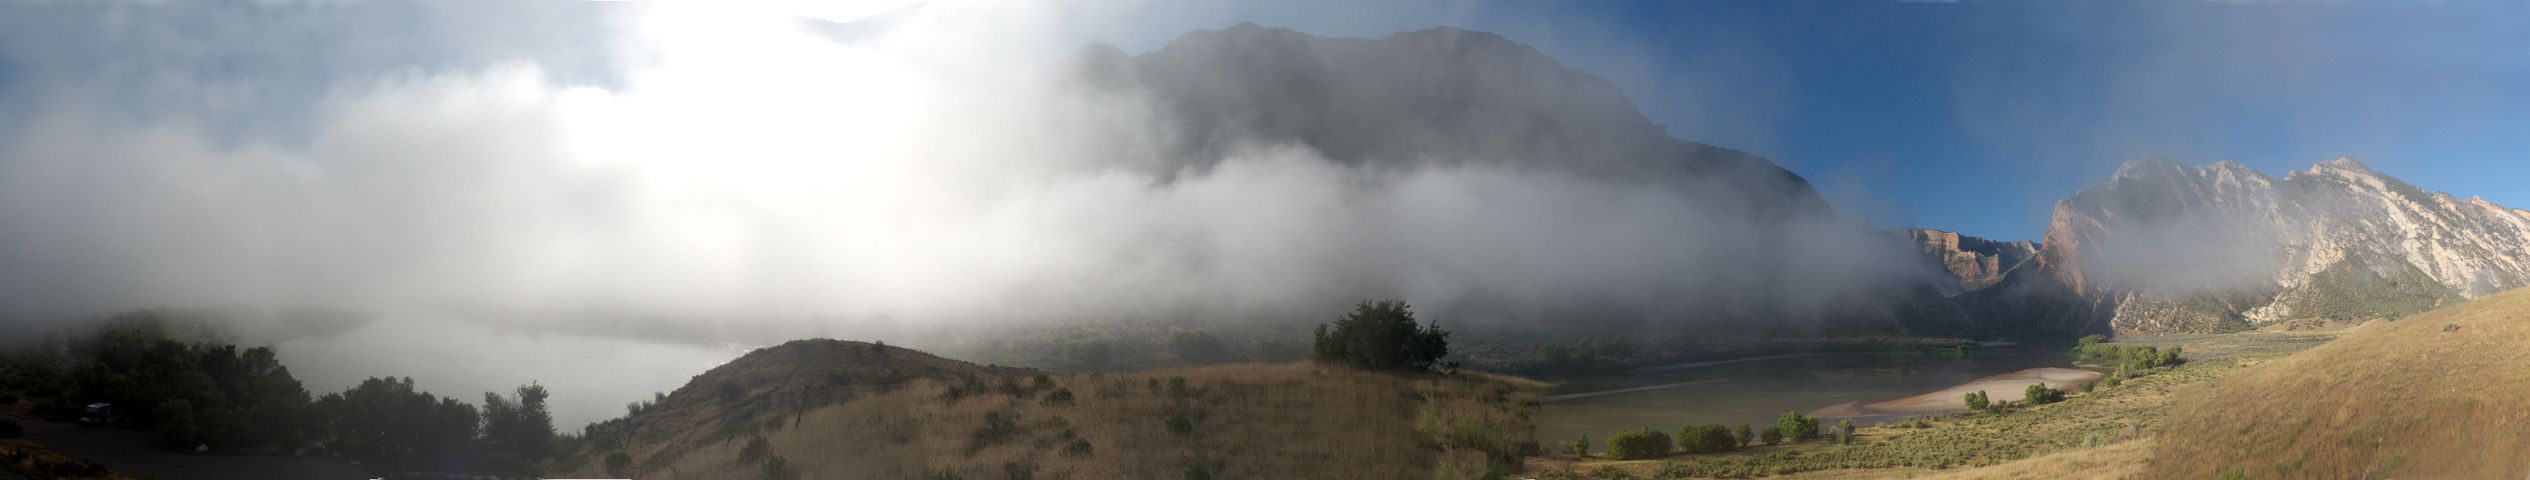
[[685, 157]]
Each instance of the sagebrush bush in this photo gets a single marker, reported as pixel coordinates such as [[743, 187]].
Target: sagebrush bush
[[1706, 438], [1796, 427], [2041, 394], [1638, 444]]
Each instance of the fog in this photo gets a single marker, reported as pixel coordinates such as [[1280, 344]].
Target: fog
[[929, 169]]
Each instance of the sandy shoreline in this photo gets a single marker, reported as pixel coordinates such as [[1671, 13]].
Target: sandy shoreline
[[2009, 387]]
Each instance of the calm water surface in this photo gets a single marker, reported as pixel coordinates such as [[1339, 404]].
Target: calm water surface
[[1757, 392], [590, 378]]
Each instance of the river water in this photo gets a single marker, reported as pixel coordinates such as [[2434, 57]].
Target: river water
[[589, 378], [1755, 393]]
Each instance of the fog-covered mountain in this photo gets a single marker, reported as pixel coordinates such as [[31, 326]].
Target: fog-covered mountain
[[2162, 247], [1433, 98], [1680, 233]]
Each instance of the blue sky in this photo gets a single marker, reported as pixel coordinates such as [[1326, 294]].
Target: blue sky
[[1978, 116]]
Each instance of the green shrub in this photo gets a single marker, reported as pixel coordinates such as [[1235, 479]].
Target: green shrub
[[2450, 326], [1638, 444], [2235, 474], [1079, 447], [2041, 394], [2138, 356], [755, 449], [1797, 428], [778, 468], [1977, 400], [1581, 448], [1845, 432], [1772, 436], [1179, 424], [1015, 471], [618, 464], [1381, 336], [1705, 438], [1059, 397]]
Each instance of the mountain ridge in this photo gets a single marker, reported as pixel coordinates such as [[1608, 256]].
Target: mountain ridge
[[2161, 247]]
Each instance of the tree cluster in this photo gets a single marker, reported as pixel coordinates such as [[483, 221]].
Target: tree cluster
[[193, 393], [220, 396], [1381, 336], [1638, 444], [2095, 350], [1706, 439], [1792, 427]]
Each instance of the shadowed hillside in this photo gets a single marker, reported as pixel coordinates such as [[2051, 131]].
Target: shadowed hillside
[[2438, 395], [829, 409]]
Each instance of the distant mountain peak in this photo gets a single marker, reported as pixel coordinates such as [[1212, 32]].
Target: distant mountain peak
[[2343, 163]]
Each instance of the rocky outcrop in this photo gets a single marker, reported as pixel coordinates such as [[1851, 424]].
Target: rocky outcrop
[[2161, 247], [1969, 263]]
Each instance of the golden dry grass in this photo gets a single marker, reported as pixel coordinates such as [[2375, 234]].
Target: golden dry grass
[[2116, 461], [2405, 399], [1250, 421]]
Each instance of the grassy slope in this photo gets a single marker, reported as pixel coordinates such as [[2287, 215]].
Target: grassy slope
[[2021, 444], [2404, 399], [1250, 420]]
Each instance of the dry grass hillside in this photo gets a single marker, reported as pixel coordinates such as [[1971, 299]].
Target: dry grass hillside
[[973, 422], [2439, 395]]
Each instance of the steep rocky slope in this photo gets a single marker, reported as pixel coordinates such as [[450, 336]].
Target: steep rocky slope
[[1975, 262], [2162, 247]]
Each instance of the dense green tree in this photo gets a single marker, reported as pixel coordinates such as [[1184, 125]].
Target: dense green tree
[[522, 427], [1381, 336], [1746, 437], [232, 397], [2041, 394], [1706, 438], [1796, 427], [1977, 400], [387, 417], [1638, 444], [174, 422]]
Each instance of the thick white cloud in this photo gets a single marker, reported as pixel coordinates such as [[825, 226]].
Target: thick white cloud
[[743, 167]]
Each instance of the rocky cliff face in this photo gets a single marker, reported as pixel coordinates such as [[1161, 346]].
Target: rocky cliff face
[[1970, 263], [2167, 248]]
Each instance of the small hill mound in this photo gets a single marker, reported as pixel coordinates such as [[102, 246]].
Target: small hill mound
[[943, 418], [773, 385], [2439, 395]]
